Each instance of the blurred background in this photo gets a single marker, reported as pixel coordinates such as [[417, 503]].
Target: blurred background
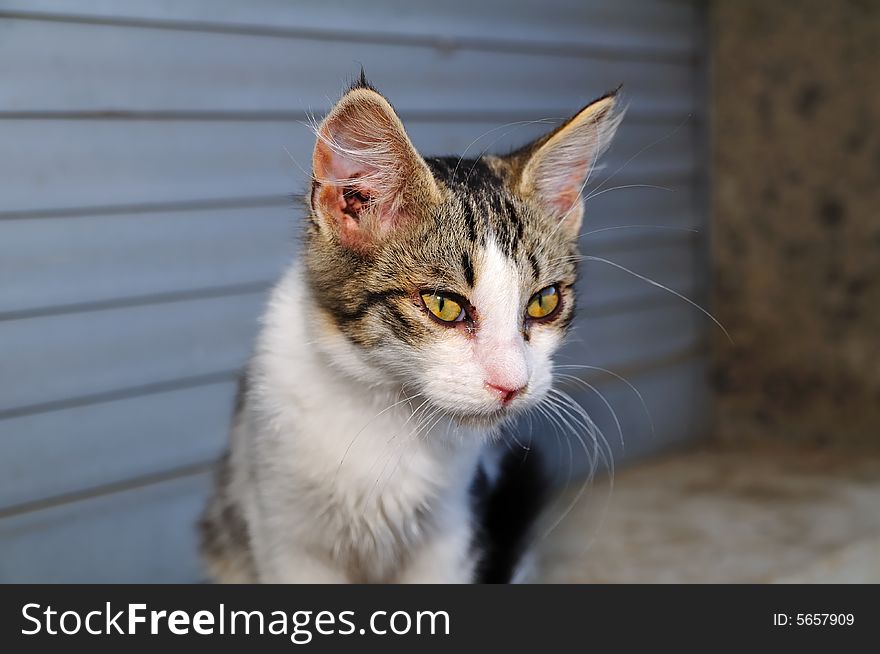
[[152, 157]]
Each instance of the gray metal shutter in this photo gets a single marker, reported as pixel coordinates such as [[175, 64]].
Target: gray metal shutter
[[145, 207]]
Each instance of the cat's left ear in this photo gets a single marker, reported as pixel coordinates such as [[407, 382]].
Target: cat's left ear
[[554, 169], [368, 178]]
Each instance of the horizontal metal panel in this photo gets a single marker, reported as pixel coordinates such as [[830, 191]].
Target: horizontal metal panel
[[65, 262], [618, 204], [53, 66], [619, 27], [56, 357], [672, 262], [63, 164], [626, 340], [142, 535], [111, 441]]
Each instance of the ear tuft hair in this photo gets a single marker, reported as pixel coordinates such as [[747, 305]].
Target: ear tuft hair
[[362, 82]]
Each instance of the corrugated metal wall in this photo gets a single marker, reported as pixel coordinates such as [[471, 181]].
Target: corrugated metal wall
[[148, 153]]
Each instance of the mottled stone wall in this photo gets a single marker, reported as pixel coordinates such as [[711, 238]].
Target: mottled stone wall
[[796, 219]]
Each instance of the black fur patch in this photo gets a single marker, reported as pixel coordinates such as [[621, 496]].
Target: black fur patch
[[506, 513]]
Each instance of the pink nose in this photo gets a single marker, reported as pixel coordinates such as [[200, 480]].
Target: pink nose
[[504, 394]]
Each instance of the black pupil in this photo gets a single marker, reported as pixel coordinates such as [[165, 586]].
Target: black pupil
[[543, 294], [440, 303]]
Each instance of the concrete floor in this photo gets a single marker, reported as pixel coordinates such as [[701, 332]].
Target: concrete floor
[[714, 515]]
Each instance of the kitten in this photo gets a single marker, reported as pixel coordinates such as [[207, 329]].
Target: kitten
[[421, 316]]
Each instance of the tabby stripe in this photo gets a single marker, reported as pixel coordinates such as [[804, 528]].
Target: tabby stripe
[[470, 220], [536, 269], [468, 266], [515, 218], [372, 299], [404, 328]]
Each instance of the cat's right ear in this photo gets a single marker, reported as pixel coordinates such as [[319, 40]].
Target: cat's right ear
[[368, 178]]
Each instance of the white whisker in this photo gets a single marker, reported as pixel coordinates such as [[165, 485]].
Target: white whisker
[[666, 227], [604, 401], [617, 188], [620, 378], [661, 286]]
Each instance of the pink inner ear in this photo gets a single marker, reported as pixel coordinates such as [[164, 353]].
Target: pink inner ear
[[347, 188], [563, 192], [333, 167]]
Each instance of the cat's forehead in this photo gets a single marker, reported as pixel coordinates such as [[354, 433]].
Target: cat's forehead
[[481, 217], [482, 210], [480, 202]]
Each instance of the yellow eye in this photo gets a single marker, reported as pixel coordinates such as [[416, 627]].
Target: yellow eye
[[543, 303], [443, 307]]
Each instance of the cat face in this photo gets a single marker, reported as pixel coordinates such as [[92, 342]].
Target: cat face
[[450, 279]]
